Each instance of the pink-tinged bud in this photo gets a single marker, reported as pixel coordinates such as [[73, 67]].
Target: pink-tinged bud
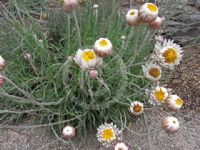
[[70, 58], [157, 23], [159, 39], [27, 56], [69, 5], [93, 74], [68, 132], [2, 63], [1, 81]]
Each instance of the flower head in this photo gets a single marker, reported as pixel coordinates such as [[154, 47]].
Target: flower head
[[69, 5], [152, 71], [2, 63], [87, 59], [121, 146], [148, 12], [103, 47], [27, 56], [93, 74], [1, 81], [158, 95], [132, 17], [168, 54], [174, 102], [136, 108], [170, 124], [95, 6], [156, 24], [68, 132], [107, 133]]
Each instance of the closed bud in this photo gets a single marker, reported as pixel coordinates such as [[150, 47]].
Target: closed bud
[[69, 5], [156, 24], [93, 74]]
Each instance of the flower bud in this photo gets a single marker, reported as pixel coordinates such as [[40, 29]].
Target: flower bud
[[68, 132], [69, 5], [123, 37], [159, 39], [93, 74], [2, 63], [95, 6], [156, 24], [1, 81], [27, 56]]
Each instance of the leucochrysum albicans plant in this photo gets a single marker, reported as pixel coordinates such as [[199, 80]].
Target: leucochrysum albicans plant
[[87, 65]]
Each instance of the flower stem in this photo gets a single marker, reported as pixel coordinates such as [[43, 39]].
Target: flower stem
[[77, 29]]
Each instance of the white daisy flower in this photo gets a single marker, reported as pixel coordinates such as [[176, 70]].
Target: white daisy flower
[[148, 12], [87, 59], [170, 124], [152, 71], [136, 108], [107, 133], [68, 132], [169, 53], [174, 102], [121, 146], [103, 47], [2, 63], [158, 95], [132, 17]]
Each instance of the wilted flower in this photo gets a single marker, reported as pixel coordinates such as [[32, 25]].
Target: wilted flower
[[158, 95], [69, 5], [93, 74], [156, 24], [168, 54], [103, 47], [121, 146], [148, 12], [2, 63], [152, 71], [87, 59], [174, 102], [132, 17], [107, 133], [170, 124], [136, 108], [68, 132]]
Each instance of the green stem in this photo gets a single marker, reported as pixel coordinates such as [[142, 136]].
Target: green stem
[[77, 29]]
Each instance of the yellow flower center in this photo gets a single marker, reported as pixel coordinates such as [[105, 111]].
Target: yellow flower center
[[103, 43], [159, 95], [170, 55], [107, 134], [88, 55], [120, 149], [132, 13], [137, 108], [152, 7], [154, 72], [179, 102]]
